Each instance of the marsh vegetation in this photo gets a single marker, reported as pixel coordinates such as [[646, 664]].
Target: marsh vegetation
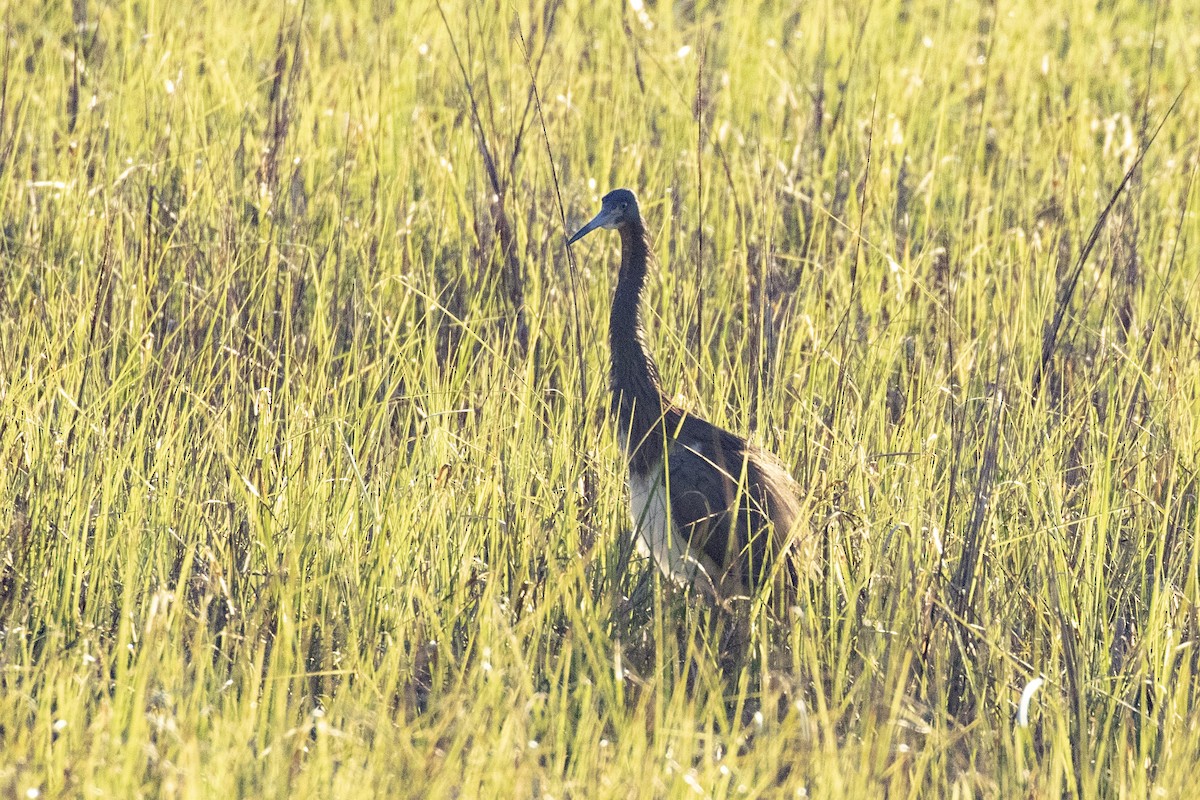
[[308, 485]]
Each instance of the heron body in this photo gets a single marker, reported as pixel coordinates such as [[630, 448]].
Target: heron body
[[713, 510]]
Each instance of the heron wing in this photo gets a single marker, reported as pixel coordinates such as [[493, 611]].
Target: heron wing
[[712, 500]]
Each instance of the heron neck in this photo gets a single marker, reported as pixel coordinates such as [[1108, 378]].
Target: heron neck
[[637, 397]]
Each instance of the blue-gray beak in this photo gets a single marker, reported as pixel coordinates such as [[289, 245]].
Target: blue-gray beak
[[598, 221]]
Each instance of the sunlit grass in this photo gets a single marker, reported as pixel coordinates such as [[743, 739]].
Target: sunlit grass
[[308, 484]]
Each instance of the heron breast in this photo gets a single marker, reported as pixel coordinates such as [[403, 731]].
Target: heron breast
[[657, 532]]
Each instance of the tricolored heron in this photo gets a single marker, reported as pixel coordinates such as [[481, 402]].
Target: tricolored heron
[[715, 511]]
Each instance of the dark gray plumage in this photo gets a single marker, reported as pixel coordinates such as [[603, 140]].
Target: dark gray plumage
[[714, 510]]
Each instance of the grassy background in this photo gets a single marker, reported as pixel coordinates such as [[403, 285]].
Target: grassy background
[[307, 483]]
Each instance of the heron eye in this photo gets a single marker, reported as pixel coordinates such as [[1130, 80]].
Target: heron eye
[[624, 206]]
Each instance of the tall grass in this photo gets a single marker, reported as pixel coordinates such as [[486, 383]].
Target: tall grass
[[308, 485]]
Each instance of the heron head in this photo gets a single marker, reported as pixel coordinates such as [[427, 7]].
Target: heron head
[[618, 208]]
